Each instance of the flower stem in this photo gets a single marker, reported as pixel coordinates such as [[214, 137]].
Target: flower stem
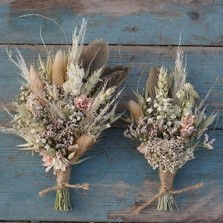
[[62, 200], [166, 203]]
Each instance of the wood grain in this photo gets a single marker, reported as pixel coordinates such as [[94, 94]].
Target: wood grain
[[118, 176], [116, 21], [125, 177], [140, 34]]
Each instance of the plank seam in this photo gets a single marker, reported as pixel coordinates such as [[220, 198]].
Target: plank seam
[[126, 45]]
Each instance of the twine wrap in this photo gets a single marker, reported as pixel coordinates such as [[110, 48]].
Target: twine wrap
[[166, 187], [62, 200], [63, 177], [166, 181], [62, 181]]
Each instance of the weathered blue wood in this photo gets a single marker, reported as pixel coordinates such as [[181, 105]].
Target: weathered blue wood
[[118, 176], [204, 66], [118, 22]]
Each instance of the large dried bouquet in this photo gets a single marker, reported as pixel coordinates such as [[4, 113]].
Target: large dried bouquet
[[64, 105], [170, 125]]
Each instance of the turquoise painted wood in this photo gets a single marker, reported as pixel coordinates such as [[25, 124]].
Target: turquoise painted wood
[[117, 21], [118, 175]]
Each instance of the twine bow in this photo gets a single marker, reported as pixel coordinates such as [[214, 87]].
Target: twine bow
[[84, 186], [166, 187], [63, 178]]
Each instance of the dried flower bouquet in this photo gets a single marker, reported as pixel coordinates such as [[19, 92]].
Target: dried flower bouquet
[[170, 125], [64, 105]]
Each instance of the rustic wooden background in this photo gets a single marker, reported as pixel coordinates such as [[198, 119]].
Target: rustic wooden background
[[142, 34]]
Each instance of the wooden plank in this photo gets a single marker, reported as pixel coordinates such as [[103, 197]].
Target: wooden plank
[[204, 66], [118, 176], [117, 21]]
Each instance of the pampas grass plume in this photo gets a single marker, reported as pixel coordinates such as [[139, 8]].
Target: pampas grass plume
[[135, 109], [59, 68], [84, 143], [35, 81]]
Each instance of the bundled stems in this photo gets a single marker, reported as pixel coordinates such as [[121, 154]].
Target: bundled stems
[[165, 196], [62, 200], [166, 200]]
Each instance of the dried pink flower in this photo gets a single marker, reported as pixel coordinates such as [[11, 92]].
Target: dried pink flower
[[187, 125], [142, 149], [47, 161], [83, 103], [58, 162]]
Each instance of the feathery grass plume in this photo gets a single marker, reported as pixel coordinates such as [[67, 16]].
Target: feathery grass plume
[[135, 110], [170, 131], [77, 44], [35, 82], [61, 111], [180, 72], [59, 68], [83, 144], [20, 63]]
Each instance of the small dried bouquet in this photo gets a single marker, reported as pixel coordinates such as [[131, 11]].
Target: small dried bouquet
[[64, 105], [170, 126]]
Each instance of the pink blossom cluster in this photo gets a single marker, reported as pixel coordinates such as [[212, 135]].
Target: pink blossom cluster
[[58, 162], [83, 103], [187, 125]]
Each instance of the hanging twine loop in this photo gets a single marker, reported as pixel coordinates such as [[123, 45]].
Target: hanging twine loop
[[166, 186], [62, 181]]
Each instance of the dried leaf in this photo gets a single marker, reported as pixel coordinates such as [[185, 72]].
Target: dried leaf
[[194, 94], [49, 152], [26, 145], [141, 100], [200, 116], [71, 155], [82, 160], [210, 119]]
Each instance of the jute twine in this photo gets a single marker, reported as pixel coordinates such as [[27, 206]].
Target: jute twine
[[62, 181], [166, 186]]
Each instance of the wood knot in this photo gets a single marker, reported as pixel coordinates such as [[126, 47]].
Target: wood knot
[[194, 16], [131, 29]]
